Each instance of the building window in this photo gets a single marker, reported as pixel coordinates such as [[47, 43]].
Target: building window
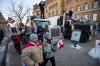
[[85, 16], [71, 1], [53, 13], [95, 4], [56, 12], [78, 8], [78, 17], [94, 17], [85, 6]]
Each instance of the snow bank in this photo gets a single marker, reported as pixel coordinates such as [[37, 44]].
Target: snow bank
[[95, 53]]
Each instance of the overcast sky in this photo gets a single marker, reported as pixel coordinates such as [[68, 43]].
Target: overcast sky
[[27, 3]]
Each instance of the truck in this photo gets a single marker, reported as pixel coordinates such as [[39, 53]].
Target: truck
[[70, 24]]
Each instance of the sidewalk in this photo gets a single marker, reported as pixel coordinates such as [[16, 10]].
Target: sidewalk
[[3, 51], [13, 58]]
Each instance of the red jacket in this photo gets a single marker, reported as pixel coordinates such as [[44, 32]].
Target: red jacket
[[29, 44], [16, 39]]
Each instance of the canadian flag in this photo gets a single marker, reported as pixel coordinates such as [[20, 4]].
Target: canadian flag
[[60, 44]]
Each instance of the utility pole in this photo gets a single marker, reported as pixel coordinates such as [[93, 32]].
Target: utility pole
[[30, 21]]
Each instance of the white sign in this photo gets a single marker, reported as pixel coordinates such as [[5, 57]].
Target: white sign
[[97, 43], [76, 36]]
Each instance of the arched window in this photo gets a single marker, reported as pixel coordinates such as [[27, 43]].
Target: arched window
[[95, 4], [85, 6], [78, 8]]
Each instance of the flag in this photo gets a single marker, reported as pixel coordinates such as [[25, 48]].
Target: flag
[[10, 20], [60, 44]]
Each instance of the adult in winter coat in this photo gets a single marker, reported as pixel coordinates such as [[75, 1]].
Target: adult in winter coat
[[1, 35], [32, 52]]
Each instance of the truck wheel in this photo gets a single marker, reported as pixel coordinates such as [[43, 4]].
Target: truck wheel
[[83, 37]]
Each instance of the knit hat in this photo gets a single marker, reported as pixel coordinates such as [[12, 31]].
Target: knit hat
[[33, 37]]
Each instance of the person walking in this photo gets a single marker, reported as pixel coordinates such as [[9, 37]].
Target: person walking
[[40, 32], [1, 35], [48, 50], [32, 52], [16, 38]]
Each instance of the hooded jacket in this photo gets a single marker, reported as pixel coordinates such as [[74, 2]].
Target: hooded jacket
[[32, 53]]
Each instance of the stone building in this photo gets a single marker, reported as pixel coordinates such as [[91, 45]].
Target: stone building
[[3, 23], [88, 9]]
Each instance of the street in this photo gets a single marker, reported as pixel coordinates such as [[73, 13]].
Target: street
[[37, 26], [64, 57]]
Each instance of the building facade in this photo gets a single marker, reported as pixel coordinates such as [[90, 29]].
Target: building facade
[[3, 23], [88, 9], [52, 8]]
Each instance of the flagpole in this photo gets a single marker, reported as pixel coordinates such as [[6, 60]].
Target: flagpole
[[30, 22]]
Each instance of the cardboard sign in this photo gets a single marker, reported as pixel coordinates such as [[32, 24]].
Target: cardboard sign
[[98, 43], [76, 35]]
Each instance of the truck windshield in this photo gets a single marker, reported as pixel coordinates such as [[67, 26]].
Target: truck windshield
[[43, 23]]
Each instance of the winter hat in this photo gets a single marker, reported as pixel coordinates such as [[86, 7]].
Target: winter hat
[[33, 37]]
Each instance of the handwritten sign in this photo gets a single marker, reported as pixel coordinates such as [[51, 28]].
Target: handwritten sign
[[76, 35]]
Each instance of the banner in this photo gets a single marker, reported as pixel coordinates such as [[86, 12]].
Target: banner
[[76, 35]]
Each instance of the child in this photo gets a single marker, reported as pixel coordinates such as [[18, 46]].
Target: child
[[48, 52]]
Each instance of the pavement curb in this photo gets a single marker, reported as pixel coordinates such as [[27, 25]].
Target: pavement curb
[[6, 41]]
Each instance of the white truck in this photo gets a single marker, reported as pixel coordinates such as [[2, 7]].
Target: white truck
[[54, 31]]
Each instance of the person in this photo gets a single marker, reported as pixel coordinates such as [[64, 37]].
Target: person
[[16, 38], [70, 14], [1, 35], [25, 37], [48, 51], [68, 28], [58, 21], [94, 26], [32, 52], [41, 5], [40, 31]]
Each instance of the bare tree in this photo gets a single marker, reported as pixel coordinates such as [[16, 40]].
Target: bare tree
[[35, 7], [17, 10]]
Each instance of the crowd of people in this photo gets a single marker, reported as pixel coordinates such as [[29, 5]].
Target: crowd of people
[[35, 48]]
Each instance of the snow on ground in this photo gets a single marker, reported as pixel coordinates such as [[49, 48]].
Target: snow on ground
[[95, 53]]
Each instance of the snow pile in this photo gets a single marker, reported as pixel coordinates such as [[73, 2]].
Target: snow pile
[[95, 53]]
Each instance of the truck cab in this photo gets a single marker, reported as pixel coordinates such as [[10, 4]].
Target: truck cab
[[42, 22]]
